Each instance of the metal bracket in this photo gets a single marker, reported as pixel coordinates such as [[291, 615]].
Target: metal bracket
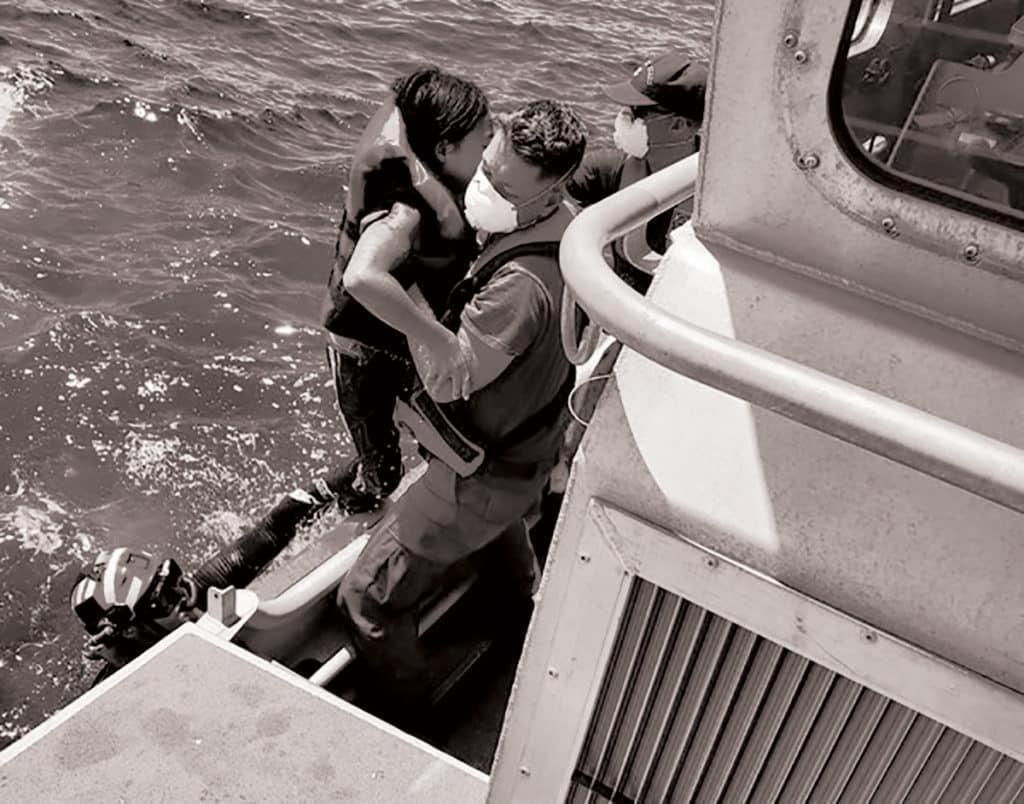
[[220, 604]]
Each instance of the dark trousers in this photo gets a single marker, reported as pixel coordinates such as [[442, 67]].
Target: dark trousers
[[440, 520], [367, 382]]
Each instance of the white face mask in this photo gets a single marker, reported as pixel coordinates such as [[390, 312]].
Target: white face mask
[[489, 211], [486, 209], [630, 135]]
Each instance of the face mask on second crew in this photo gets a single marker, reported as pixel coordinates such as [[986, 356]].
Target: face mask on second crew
[[630, 135], [662, 137]]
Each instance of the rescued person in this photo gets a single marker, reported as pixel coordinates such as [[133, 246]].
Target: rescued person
[[416, 156]]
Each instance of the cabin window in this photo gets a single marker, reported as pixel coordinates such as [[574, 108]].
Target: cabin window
[[931, 96]]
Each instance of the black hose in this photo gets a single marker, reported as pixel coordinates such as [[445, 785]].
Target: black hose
[[238, 563]]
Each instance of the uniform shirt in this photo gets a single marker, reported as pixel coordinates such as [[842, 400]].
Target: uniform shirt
[[599, 176], [514, 313]]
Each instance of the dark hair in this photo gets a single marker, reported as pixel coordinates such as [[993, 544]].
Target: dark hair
[[548, 134], [437, 107]]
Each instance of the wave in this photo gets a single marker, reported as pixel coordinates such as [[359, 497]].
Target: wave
[[29, 81], [30, 87], [10, 102], [270, 134], [219, 13], [17, 86], [15, 13]]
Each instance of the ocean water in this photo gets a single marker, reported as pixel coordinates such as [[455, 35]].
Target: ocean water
[[171, 172]]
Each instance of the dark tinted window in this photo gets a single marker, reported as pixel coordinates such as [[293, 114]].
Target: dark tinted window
[[932, 95]]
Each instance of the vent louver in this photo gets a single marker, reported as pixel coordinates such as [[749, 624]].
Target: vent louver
[[695, 708]]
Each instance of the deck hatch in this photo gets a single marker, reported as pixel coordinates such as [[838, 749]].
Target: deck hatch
[[693, 707]]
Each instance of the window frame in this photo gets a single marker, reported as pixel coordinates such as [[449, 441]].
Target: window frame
[[773, 175], [881, 173]]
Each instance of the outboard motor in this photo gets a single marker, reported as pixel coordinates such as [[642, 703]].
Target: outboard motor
[[128, 600]]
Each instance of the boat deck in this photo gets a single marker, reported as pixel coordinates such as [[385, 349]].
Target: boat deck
[[198, 719]]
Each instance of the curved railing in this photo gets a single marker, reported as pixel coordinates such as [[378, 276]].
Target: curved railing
[[894, 430]]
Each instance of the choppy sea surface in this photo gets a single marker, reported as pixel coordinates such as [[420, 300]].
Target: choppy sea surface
[[171, 172]]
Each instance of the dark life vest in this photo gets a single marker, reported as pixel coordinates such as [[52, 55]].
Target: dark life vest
[[385, 172]]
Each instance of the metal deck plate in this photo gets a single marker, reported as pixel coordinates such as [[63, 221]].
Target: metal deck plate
[[201, 720]]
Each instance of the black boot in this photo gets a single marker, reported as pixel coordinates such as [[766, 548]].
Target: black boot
[[345, 485]]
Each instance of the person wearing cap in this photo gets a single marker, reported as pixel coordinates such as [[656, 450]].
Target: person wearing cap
[[663, 109]]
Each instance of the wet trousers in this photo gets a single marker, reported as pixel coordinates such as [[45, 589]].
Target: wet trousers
[[367, 382]]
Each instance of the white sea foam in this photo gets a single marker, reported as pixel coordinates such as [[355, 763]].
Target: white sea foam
[[222, 526], [42, 527], [18, 84], [10, 100]]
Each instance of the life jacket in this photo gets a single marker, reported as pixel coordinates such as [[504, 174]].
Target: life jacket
[[384, 172], [447, 430], [635, 247]]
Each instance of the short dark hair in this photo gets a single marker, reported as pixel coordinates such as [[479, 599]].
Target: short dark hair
[[548, 134], [437, 107]]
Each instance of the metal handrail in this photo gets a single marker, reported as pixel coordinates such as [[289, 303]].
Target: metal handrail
[[897, 431]]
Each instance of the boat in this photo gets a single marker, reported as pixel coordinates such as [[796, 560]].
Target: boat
[[786, 566]]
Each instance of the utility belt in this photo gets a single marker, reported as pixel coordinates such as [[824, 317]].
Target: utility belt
[[442, 430]]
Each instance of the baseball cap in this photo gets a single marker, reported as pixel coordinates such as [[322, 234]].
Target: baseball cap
[[672, 81]]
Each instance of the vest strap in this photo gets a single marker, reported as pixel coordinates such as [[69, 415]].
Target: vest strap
[[350, 226]]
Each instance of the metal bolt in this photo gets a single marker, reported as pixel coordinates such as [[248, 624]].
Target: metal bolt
[[552, 672], [972, 252], [524, 771], [809, 161], [800, 57], [789, 40], [710, 562], [888, 224], [585, 557]]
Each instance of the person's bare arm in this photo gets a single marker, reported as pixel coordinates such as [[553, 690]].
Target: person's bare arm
[[381, 248]]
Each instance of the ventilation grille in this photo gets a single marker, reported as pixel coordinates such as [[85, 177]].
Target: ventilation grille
[[695, 708]]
